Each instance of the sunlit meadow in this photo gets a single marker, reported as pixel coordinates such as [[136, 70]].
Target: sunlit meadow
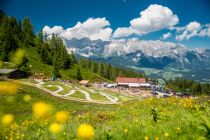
[[28, 113]]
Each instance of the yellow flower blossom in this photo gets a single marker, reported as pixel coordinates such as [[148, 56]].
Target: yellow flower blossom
[[166, 134], [41, 109], [146, 138], [7, 119], [55, 128], [178, 130], [7, 88], [27, 98], [62, 116], [156, 138], [85, 132], [126, 130]]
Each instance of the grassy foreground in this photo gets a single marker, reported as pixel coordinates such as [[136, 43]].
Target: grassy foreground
[[169, 118]]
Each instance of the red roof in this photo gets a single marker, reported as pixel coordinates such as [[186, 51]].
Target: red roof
[[130, 80]]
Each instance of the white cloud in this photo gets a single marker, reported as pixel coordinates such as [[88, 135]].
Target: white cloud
[[194, 29], [193, 26], [93, 28], [154, 18], [124, 31], [178, 29], [49, 31], [166, 36], [205, 31]]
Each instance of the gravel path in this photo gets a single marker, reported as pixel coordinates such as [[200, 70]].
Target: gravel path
[[88, 99], [59, 88], [87, 95], [70, 93], [109, 97]]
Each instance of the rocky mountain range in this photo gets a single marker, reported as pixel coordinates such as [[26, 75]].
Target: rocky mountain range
[[156, 58]]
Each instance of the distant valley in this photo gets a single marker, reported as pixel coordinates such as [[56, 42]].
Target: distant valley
[[157, 59]]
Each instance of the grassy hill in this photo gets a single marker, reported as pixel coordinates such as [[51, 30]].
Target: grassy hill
[[169, 118], [37, 66]]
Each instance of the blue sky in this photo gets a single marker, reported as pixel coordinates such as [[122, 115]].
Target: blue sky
[[118, 13]]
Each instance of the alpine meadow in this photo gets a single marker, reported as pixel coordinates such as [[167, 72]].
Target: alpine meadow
[[104, 70]]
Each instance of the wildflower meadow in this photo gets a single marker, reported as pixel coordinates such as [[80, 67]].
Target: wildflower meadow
[[29, 113]]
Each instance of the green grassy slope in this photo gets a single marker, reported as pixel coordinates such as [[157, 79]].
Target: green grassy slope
[[168, 118], [39, 67]]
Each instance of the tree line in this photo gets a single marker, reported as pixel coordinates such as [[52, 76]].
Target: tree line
[[16, 34], [107, 70], [53, 52], [188, 86]]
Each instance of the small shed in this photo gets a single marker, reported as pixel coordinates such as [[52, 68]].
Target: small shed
[[12, 73], [6, 71], [84, 83]]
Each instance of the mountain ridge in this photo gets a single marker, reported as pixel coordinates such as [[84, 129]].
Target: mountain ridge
[[157, 55]]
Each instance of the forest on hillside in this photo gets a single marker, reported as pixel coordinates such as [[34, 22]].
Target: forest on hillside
[[188, 86], [17, 35]]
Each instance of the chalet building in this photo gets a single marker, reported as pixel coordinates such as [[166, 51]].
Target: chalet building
[[132, 82], [84, 83]]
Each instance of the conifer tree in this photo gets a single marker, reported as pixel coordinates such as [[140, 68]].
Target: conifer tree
[[78, 74], [101, 69], [72, 58], [28, 35]]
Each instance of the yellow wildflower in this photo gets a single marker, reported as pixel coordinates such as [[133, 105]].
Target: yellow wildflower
[[85, 132], [146, 138], [55, 128], [27, 98], [126, 130], [8, 88], [166, 134], [41, 109], [178, 130], [156, 138], [7, 119], [61, 116]]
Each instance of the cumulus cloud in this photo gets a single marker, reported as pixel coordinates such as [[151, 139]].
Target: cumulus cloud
[[93, 28], [154, 18], [206, 31], [124, 32], [194, 29], [166, 36], [178, 29], [49, 31]]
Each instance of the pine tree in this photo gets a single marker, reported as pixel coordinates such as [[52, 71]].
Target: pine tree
[[2, 14], [55, 72], [39, 41], [72, 58], [93, 66], [78, 75], [8, 37], [107, 71], [28, 35], [100, 69]]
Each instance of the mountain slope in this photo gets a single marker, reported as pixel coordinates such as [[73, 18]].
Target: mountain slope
[[36, 66], [163, 58]]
